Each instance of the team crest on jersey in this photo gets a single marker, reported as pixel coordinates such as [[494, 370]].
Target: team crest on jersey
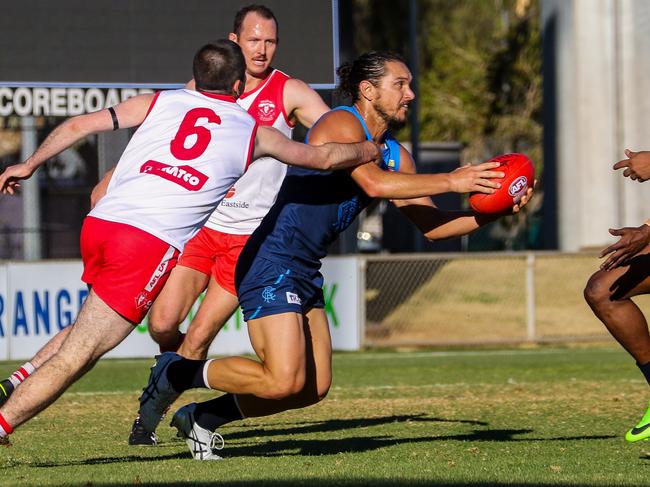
[[266, 111]]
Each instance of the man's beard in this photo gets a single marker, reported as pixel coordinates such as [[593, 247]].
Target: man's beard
[[393, 124]]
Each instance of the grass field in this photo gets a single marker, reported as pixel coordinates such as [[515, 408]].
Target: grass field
[[495, 417]]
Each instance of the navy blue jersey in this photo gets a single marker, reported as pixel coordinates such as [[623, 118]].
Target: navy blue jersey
[[312, 209]]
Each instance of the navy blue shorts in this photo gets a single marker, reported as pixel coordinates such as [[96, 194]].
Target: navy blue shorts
[[270, 289]]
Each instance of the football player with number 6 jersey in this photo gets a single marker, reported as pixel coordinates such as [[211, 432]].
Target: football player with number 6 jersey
[[190, 148]]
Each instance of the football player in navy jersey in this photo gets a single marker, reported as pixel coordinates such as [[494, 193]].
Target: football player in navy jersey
[[278, 280]]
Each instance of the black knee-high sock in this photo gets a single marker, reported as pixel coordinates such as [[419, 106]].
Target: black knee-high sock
[[186, 374], [217, 412], [645, 368]]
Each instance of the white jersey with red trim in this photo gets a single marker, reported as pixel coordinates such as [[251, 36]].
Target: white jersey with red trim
[[250, 199], [190, 149]]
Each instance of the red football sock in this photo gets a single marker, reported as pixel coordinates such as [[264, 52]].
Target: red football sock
[[5, 428], [21, 374]]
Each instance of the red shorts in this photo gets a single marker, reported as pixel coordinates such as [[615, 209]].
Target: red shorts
[[214, 253], [127, 267]]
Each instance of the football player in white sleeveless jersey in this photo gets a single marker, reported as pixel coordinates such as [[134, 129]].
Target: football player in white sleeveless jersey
[[209, 259], [190, 148]]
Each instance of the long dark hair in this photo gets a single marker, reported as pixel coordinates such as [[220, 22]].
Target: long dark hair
[[370, 66]]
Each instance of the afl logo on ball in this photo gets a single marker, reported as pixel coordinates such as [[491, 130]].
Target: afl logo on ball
[[266, 111], [518, 186]]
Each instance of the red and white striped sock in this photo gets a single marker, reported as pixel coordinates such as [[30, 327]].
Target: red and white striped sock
[[5, 428], [22, 373]]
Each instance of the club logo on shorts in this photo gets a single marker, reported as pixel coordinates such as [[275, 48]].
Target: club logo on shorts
[[268, 294], [185, 176], [142, 300], [266, 111], [293, 298]]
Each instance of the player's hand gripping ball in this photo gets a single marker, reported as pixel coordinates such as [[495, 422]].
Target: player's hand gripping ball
[[520, 175]]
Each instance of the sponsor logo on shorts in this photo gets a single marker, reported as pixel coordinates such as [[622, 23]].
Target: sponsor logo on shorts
[[268, 294], [230, 193], [142, 300], [265, 111], [157, 274], [518, 186], [293, 298], [185, 176], [160, 270]]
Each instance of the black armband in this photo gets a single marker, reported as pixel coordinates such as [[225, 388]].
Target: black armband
[[116, 124]]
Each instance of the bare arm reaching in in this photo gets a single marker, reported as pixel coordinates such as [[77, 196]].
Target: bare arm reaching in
[[340, 126], [271, 142], [130, 113]]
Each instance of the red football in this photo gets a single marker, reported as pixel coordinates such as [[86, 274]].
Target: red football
[[520, 175]]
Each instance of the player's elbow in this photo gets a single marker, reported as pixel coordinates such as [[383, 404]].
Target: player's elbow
[[327, 160], [433, 236], [375, 188], [440, 233]]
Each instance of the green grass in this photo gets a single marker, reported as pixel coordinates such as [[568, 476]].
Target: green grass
[[513, 417]]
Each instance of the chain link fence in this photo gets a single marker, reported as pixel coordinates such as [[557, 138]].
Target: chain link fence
[[469, 299]]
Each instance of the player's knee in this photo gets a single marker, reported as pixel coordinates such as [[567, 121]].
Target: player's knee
[[597, 291], [162, 321], [287, 384]]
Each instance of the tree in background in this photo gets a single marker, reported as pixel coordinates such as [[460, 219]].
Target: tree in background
[[480, 80]]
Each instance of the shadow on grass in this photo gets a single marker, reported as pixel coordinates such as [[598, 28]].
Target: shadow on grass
[[360, 444], [329, 446], [306, 427]]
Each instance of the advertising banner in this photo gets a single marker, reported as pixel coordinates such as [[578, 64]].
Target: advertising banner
[[342, 300], [39, 299], [42, 299]]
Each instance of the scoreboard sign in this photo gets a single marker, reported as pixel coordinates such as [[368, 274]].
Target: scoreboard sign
[[60, 102], [72, 56]]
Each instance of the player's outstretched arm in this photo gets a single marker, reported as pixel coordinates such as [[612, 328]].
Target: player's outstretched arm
[[341, 126], [435, 223], [406, 184], [633, 240], [271, 142], [383, 184], [129, 113], [637, 165]]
